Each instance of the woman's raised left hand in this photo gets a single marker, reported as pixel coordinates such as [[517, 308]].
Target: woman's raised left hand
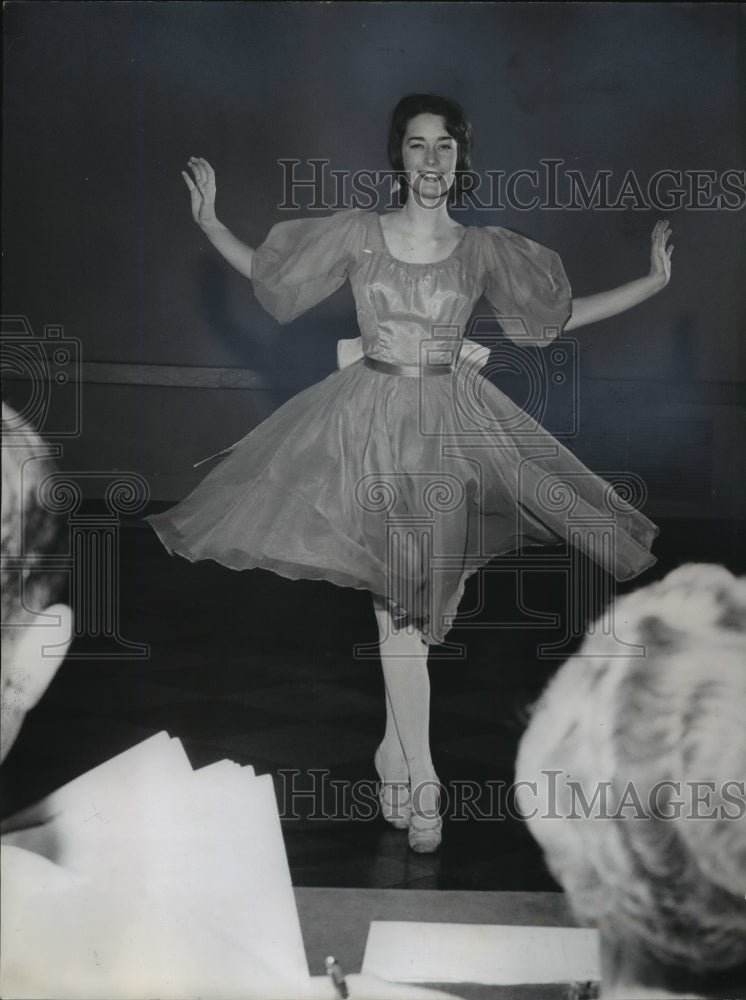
[[660, 252]]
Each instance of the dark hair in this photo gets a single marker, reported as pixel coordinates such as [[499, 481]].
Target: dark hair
[[456, 123]]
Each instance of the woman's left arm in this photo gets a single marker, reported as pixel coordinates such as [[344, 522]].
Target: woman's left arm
[[595, 307]]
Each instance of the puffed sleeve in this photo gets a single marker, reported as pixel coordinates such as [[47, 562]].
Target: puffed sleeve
[[303, 261], [527, 286]]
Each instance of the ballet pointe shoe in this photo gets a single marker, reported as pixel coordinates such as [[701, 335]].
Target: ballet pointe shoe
[[394, 797], [426, 832]]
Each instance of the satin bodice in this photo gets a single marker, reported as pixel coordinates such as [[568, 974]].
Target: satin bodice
[[409, 313]]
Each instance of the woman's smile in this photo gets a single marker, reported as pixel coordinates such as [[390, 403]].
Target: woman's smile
[[429, 154]]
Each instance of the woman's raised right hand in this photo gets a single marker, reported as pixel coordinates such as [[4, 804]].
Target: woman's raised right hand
[[201, 190]]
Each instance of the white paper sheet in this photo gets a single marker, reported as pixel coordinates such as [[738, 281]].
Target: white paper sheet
[[179, 884], [411, 952]]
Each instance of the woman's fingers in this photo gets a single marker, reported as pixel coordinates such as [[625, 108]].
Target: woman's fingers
[[661, 234], [197, 169], [660, 251], [203, 172], [200, 179]]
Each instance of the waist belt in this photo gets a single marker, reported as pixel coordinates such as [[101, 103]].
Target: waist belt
[[411, 371]]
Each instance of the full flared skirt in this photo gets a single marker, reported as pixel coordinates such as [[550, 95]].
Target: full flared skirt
[[404, 487]]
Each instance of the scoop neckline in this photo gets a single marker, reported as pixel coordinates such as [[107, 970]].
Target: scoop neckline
[[413, 263]]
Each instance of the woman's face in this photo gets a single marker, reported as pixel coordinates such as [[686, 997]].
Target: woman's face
[[429, 155]]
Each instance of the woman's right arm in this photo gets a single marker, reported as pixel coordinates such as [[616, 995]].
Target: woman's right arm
[[202, 191]]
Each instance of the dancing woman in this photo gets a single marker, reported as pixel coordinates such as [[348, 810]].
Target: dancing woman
[[314, 490]]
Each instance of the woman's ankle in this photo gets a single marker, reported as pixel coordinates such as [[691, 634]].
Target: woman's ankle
[[391, 761], [425, 793]]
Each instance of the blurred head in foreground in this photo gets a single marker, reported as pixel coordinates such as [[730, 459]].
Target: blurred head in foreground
[[644, 825], [36, 625]]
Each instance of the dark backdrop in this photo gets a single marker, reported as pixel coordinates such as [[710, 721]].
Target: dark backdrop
[[105, 102]]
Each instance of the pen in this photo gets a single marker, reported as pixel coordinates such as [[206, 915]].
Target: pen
[[337, 976]]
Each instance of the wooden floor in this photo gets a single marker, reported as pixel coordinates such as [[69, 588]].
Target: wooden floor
[[263, 671]]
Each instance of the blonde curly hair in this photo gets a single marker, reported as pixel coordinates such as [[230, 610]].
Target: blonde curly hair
[[31, 532], [663, 732]]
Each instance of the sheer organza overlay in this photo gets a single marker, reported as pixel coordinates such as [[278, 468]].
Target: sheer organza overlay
[[398, 485]]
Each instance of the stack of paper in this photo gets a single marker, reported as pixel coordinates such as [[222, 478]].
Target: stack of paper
[[144, 878]]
